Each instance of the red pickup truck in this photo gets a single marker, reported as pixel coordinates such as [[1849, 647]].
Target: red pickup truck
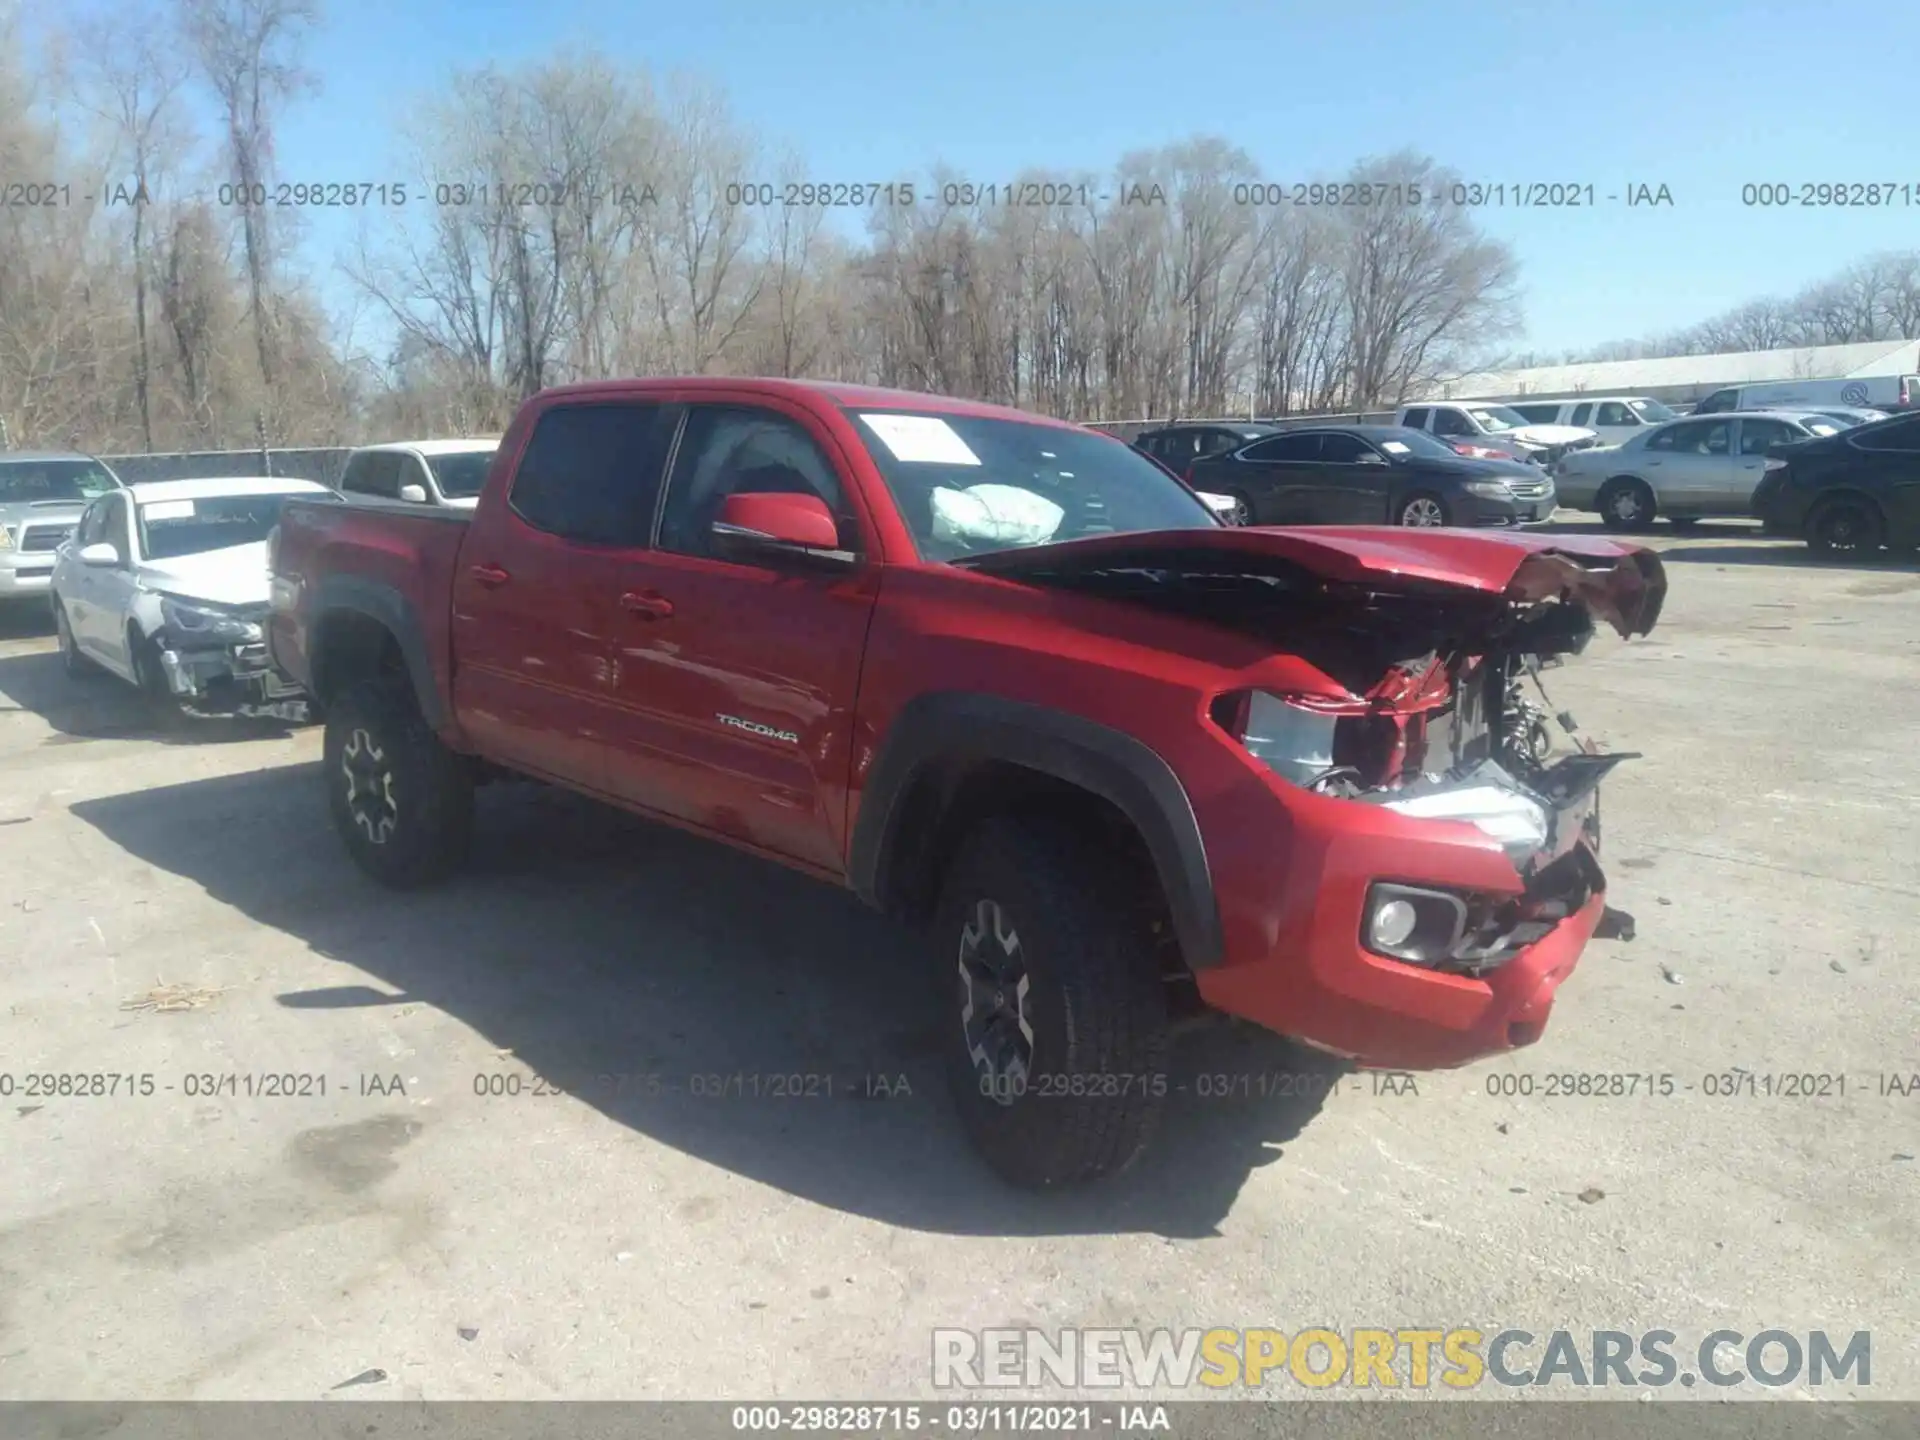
[[1007, 678]]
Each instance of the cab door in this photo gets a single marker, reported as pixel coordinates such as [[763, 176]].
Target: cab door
[[734, 674], [536, 600]]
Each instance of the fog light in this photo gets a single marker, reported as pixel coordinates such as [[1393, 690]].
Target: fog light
[[1393, 923]]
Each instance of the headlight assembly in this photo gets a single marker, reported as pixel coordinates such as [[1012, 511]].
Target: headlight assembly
[[203, 623], [1489, 489]]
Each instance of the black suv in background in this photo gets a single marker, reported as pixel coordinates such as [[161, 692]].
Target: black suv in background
[[1849, 493], [1178, 446]]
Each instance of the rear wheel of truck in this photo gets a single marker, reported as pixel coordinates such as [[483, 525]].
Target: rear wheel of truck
[[401, 800], [1053, 1006]]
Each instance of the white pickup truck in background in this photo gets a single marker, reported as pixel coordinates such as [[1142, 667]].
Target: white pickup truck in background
[[1487, 430], [444, 473]]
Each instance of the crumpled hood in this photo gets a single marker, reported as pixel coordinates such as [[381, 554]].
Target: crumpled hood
[[1547, 434], [1618, 582], [235, 575]]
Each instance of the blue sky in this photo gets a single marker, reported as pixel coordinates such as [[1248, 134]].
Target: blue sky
[[1700, 96]]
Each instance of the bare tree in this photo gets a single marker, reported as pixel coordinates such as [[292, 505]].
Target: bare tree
[[248, 52], [131, 72]]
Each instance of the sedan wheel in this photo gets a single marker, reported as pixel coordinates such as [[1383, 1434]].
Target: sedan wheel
[[1626, 504], [71, 660], [1424, 511], [1242, 512], [1845, 527]]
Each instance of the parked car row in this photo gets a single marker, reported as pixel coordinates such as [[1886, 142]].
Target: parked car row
[[1349, 475], [164, 584], [1685, 470]]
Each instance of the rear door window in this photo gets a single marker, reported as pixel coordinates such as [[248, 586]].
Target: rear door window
[[1283, 450], [592, 472]]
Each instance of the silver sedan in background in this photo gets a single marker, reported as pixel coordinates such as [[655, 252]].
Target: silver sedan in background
[[1683, 470]]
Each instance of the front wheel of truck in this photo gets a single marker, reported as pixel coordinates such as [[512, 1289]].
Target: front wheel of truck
[[401, 800], [1054, 1010]]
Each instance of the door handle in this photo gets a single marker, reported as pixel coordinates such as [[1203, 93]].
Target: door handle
[[489, 575], [646, 604]]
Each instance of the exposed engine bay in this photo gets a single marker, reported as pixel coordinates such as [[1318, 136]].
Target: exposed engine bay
[[1429, 712]]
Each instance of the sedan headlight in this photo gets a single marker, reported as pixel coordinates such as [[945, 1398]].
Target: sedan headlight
[[203, 622], [1489, 489]]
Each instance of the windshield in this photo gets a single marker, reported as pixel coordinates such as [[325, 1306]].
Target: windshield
[[1652, 411], [172, 528], [461, 475], [24, 481], [967, 485], [1497, 417], [1401, 439]]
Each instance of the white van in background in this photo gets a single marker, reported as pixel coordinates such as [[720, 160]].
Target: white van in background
[[1616, 419], [1864, 392]]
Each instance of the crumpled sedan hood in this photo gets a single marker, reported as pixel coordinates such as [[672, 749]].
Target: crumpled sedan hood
[[1548, 434], [1621, 583], [234, 575]]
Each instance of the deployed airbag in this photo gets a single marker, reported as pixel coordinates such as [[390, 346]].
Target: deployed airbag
[[994, 515]]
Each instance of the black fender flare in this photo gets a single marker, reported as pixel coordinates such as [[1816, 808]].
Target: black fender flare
[[947, 725], [340, 594]]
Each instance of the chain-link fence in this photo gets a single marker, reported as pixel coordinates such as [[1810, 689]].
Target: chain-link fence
[[1129, 430], [323, 464]]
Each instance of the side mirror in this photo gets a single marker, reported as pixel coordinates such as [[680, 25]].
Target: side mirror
[[793, 526], [99, 555], [1370, 457], [414, 494]]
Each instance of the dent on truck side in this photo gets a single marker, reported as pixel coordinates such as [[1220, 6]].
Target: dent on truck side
[[339, 596], [937, 728]]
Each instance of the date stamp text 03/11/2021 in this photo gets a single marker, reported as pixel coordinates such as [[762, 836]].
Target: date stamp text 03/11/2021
[[1233, 1087], [634, 194]]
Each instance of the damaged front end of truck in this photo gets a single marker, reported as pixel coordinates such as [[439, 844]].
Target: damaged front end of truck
[[1395, 679]]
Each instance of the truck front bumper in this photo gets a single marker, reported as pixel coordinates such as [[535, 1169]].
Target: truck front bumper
[[1297, 961], [236, 679], [25, 575]]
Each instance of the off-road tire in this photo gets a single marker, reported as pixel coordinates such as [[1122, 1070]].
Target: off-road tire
[[376, 737], [77, 666], [1096, 1003]]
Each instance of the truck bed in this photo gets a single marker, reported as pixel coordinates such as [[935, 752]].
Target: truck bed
[[392, 561]]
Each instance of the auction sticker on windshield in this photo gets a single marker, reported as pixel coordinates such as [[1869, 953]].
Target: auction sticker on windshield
[[168, 510], [1394, 447], [921, 439]]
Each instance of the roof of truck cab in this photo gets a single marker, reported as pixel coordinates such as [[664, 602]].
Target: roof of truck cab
[[147, 491], [440, 447], [850, 397]]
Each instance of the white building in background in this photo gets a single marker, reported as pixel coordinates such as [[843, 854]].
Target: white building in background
[[1679, 379]]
